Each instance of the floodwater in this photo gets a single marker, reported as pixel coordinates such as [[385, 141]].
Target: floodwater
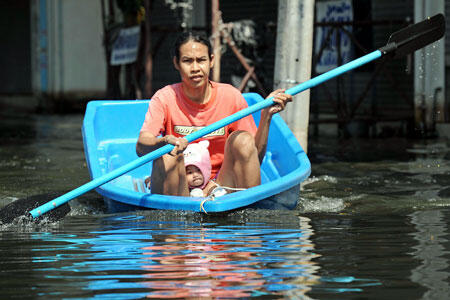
[[373, 223]]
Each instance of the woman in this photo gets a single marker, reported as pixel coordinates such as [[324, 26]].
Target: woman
[[179, 109]]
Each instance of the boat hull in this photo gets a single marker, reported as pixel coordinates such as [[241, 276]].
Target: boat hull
[[110, 131]]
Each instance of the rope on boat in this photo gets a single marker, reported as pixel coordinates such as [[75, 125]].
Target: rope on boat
[[217, 192], [209, 198]]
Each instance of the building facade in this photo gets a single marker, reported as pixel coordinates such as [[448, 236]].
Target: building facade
[[54, 49]]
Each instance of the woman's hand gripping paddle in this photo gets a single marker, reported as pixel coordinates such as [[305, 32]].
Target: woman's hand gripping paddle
[[400, 43]]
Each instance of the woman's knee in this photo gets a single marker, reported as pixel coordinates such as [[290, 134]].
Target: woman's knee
[[242, 144], [167, 163], [168, 176]]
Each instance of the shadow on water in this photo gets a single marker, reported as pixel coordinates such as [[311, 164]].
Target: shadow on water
[[17, 129]]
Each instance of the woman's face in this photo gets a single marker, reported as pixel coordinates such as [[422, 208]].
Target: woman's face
[[194, 64]]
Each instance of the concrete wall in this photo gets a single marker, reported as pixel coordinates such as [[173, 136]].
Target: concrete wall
[[75, 54]]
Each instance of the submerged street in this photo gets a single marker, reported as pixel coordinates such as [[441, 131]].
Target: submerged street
[[373, 220]]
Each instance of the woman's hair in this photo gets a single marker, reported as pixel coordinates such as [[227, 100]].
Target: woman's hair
[[191, 36]]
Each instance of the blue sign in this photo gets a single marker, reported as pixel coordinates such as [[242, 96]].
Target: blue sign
[[333, 11], [126, 46]]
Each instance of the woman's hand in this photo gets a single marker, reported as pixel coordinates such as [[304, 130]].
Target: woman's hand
[[179, 143], [280, 99]]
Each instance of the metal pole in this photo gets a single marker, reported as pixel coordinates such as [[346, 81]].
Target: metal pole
[[293, 60]]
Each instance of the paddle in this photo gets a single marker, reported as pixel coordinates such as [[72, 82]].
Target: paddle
[[15, 209], [402, 42]]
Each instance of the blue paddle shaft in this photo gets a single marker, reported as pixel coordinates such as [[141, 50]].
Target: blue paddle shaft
[[200, 133]]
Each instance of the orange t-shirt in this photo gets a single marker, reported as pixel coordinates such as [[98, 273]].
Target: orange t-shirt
[[170, 112]]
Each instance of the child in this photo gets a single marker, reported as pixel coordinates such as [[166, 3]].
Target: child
[[198, 170]]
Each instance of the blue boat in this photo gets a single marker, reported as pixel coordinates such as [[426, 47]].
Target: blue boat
[[110, 131]]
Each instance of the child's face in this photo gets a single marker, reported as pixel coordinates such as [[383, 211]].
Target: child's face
[[194, 176]]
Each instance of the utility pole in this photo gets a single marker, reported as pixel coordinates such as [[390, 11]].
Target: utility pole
[[295, 30]]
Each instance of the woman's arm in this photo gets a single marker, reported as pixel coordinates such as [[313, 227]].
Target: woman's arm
[[262, 134], [147, 143]]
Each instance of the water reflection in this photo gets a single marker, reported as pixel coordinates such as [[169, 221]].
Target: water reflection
[[137, 257], [432, 236], [202, 264]]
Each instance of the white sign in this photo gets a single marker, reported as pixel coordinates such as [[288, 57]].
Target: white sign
[[126, 46], [333, 11]]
